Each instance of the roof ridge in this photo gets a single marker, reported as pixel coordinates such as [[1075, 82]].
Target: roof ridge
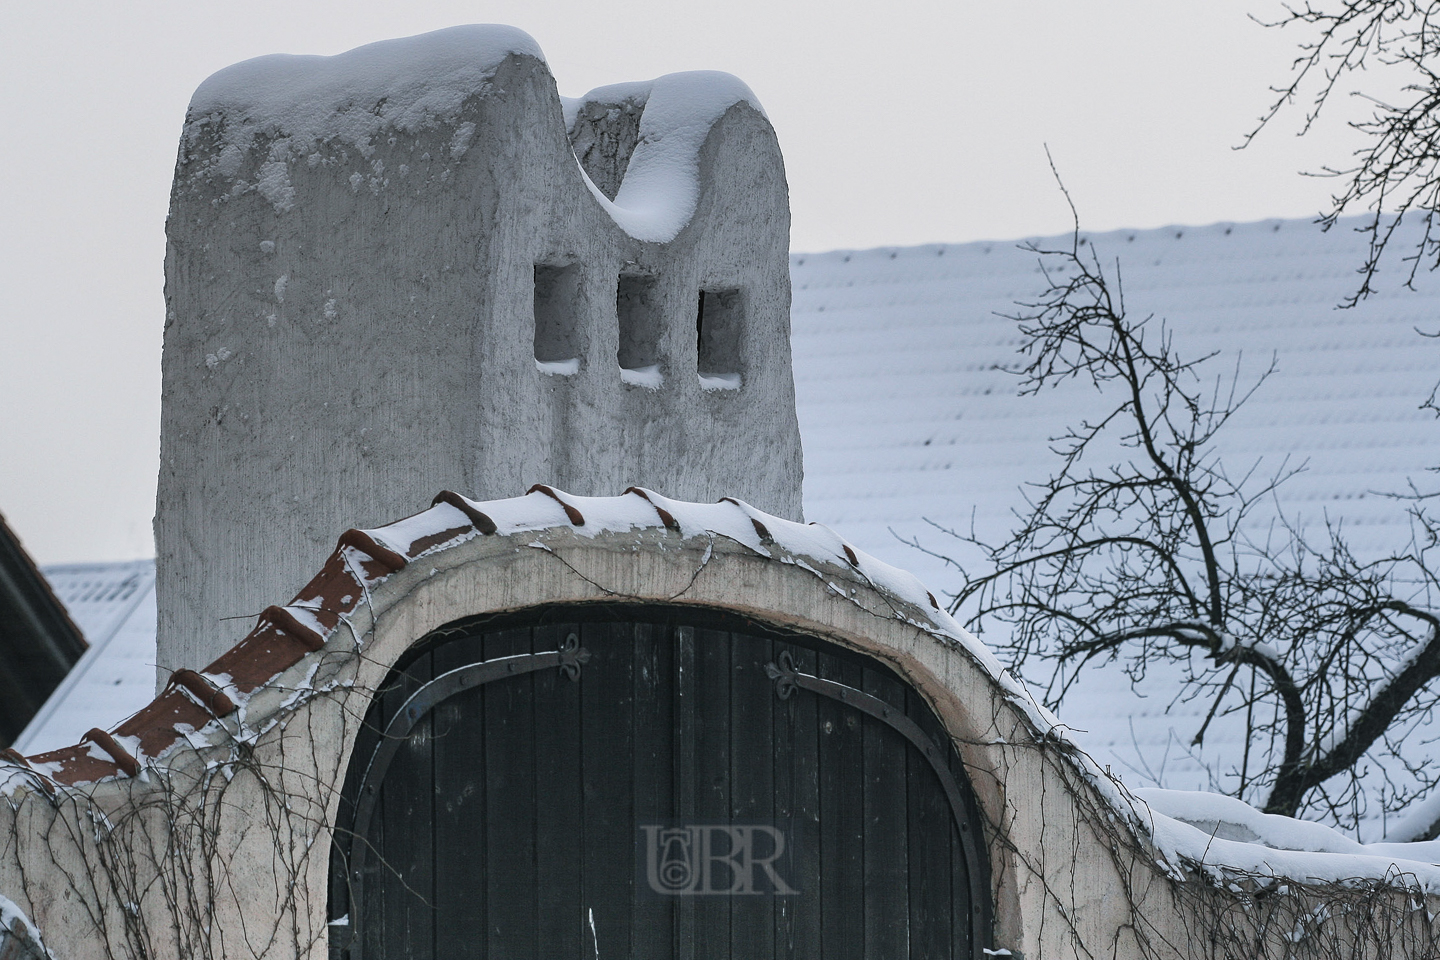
[[286, 634]]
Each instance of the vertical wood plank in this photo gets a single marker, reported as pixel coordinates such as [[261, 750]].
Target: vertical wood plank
[[962, 927], [752, 781], [510, 803], [797, 766], [842, 818], [606, 695], [652, 931], [929, 861], [407, 858], [886, 853], [460, 854], [560, 928], [365, 914], [684, 760], [369, 914], [509, 819], [712, 776]]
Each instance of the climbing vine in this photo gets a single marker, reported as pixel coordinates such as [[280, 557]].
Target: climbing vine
[[222, 850]]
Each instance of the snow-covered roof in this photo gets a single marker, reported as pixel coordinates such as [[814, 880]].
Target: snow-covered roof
[[227, 702], [286, 634], [303, 101], [907, 412], [114, 606]]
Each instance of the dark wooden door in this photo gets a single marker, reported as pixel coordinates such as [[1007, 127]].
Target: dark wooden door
[[510, 789]]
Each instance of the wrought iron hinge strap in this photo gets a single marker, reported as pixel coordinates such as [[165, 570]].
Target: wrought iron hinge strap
[[788, 679]]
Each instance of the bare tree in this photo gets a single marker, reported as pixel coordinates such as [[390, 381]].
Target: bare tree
[[1142, 547], [1394, 176]]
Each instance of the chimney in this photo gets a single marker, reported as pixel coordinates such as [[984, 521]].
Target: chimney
[[414, 267]]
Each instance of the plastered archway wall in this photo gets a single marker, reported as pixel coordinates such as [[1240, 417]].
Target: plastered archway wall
[[260, 799]]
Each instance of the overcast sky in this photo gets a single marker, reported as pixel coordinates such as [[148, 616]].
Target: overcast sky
[[901, 123]]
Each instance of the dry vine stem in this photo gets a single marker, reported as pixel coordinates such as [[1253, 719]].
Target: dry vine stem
[[221, 847]]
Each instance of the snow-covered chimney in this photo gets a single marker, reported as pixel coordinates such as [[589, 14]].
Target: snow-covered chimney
[[414, 267]]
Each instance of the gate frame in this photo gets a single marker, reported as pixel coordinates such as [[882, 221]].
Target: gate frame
[[1070, 856], [569, 659]]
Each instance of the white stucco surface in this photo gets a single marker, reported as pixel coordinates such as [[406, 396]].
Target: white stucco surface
[[388, 274]]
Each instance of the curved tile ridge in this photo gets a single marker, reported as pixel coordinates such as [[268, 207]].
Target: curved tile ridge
[[287, 634], [365, 558]]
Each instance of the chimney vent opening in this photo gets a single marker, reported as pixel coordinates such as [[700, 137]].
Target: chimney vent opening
[[719, 322], [637, 306], [557, 297]]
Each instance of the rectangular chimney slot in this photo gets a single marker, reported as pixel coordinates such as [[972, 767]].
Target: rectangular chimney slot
[[557, 299], [637, 305], [718, 324]]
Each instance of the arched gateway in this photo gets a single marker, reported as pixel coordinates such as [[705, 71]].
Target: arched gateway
[[552, 727], [652, 781], [559, 727]]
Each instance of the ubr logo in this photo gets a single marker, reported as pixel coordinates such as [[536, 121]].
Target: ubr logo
[[704, 859]]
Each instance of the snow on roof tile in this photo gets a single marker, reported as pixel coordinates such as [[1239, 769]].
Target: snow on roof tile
[[114, 606], [286, 634], [907, 414], [194, 703]]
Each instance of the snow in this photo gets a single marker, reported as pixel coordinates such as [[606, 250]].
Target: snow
[[661, 187], [1215, 832], [720, 381], [113, 604], [400, 535], [1220, 831], [14, 922], [907, 413], [648, 377], [559, 368], [350, 99], [634, 91], [906, 410], [405, 84], [460, 142]]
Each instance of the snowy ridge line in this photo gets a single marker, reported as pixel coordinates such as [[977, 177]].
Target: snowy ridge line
[[302, 105], [405, 84], [1223, 836], [317, 614], [1211, 832]]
